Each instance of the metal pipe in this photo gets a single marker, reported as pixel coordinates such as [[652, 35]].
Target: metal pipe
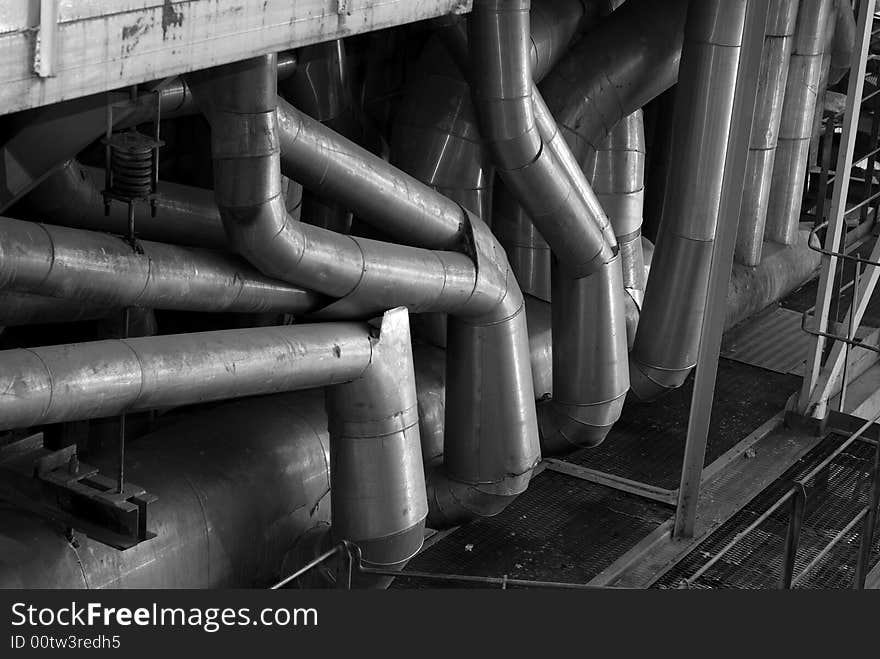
[[238, 485], [778, 44], [590, 377], [27, 309], [99, 269], [666, 345], [617, 172], [490, 401], [630, 58], [71, 196], [317, 88], [105, 378], [378, 495], [796, 125], [558, 200]]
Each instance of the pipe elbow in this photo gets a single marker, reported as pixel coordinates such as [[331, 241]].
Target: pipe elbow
[[649, 383], [567, 427]]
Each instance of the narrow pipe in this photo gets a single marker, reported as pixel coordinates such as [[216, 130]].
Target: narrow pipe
[[107, 378], [490, 402], [617, 172], [775, 60], [238, 486], [558, 200], [99, 269], [666, 344], [378, 496], [796, 125]]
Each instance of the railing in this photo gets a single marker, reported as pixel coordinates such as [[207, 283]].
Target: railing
[[796, 498], [351, 564]]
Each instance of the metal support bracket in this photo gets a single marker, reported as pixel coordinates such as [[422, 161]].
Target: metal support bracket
[[56, 485]]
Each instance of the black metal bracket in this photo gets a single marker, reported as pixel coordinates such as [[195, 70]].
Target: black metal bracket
[[56, 485]]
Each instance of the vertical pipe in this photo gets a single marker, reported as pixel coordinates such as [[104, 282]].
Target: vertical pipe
[[796, 125], [666, 344], [778, 44], [378, 495]]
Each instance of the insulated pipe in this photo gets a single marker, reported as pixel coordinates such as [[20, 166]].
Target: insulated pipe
[[558, 200], [795, 128], [71, 196], [590, 378], [617, 172], [99, 269], [490, 388], [378, 495], [238, 485], [106, 378], [318, 89], [669, 330], [778, 43], [27, 309]]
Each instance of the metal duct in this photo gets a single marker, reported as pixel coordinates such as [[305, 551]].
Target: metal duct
[[71, 196], [238, 484], [378, 494], [844, 41], [26, 309], [630, 58], [490, 386], [99, 269], [320, 89], [778, 43], [668, 338], [617, 172], [558, 200], [43, 137], [795, 128], [52, 384]]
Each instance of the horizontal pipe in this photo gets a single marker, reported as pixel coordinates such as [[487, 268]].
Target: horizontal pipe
[[667, 341], [238, 485], [100, 269], [487, 335], [27, 309], [796, 124], [71, 196], [105, 378]]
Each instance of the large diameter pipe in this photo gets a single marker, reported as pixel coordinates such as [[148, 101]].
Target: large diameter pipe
[[100, 269], [52, 384], [487, 337], [630, 58], [71, 196], [795, 129], [378, 495], [590, 377], [617, 172], [775, 60], [666, 344], [238, 485], [27, 309], [571, 221]]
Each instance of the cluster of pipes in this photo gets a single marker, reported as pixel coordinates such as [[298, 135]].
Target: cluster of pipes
[[513, 177]]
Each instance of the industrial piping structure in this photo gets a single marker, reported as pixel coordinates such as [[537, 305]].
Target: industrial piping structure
[[552, 317]]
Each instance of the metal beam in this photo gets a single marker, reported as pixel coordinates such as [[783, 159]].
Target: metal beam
[[100, 45], [712, 325]]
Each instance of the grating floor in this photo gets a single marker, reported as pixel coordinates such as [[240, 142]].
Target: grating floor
[[833, 500]]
